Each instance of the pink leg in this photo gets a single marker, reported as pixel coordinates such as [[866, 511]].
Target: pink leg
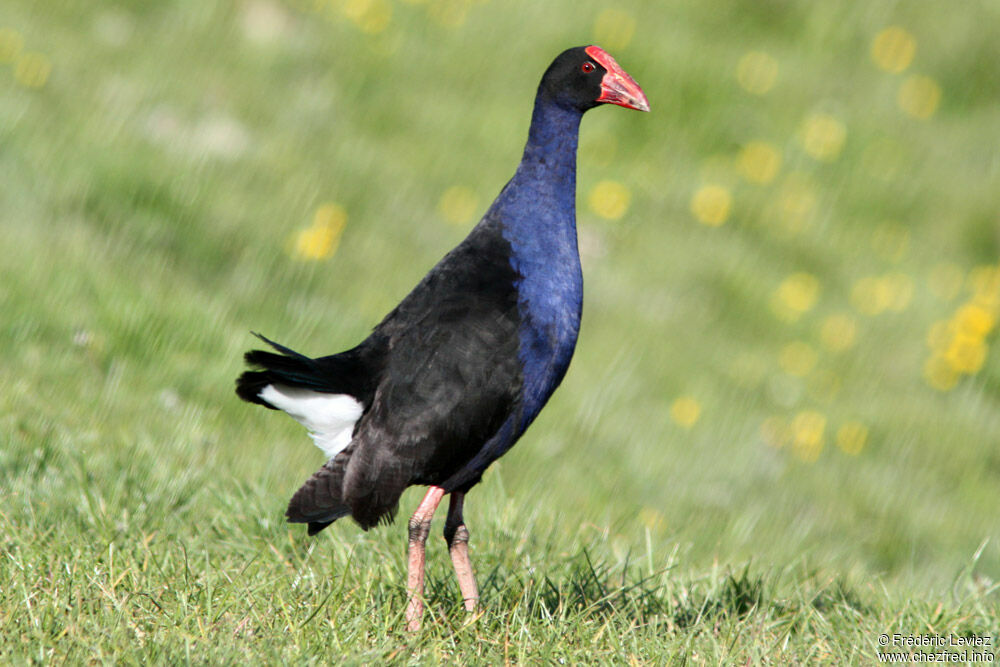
[[457, 536], [420, 527]]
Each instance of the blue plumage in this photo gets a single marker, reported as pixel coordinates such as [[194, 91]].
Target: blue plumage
[[537, 214]]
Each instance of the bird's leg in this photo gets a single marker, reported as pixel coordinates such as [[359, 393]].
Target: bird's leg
[[420, 527], [457, 537]]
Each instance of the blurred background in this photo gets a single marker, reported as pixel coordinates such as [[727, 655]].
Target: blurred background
[[791, 266]]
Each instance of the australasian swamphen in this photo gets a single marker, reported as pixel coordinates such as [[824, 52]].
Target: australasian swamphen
[[452, 377]]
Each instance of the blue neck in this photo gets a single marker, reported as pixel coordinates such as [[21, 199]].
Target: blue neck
[[548, 166], [537, 214]]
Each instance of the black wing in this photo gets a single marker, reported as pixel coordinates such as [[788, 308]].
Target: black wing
[[451, 377]]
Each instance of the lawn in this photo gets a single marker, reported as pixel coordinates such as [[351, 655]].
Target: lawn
[[778, 440]]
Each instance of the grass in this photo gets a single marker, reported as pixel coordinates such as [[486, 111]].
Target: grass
[[155, 179]]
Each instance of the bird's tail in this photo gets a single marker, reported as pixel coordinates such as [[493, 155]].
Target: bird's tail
[[327, 397], [319, 502], [288, 368]]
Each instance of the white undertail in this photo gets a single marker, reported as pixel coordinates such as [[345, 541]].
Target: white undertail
[[330, 418]]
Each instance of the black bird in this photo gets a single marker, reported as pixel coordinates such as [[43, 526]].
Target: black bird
[[453, 376]]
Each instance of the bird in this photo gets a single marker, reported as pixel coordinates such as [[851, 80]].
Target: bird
[[452, 377]]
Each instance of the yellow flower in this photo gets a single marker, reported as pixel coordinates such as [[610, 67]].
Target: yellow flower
[[32, 70], [851, 437], [807, 432], [321, 239], [870, 296], [610, 200], [838, 332], [685, 411], [371, 16], [458, 205], [974, 321], [613, 29], [893, 49], [11, 44], [315, 243], [757, 72], [919, 96], [966, 354], [958, 344], [822, 137], [449, 13], [797, 358], [759, 162], [711, 205], [795, 295]]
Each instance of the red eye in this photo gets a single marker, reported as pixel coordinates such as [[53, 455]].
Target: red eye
[[587, 67]]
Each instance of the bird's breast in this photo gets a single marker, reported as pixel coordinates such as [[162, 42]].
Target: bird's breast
[[549, 303], [536, 215]]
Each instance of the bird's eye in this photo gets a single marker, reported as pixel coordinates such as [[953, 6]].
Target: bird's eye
[[587, 67]]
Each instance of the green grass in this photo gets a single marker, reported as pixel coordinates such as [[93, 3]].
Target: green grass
[[150, 189]]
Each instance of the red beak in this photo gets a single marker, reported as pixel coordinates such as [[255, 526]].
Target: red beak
[[617, 87]]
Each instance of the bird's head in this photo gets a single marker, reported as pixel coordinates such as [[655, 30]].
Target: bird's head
[[586, 76]]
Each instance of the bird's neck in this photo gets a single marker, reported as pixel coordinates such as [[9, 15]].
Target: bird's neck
[[549, 160]]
